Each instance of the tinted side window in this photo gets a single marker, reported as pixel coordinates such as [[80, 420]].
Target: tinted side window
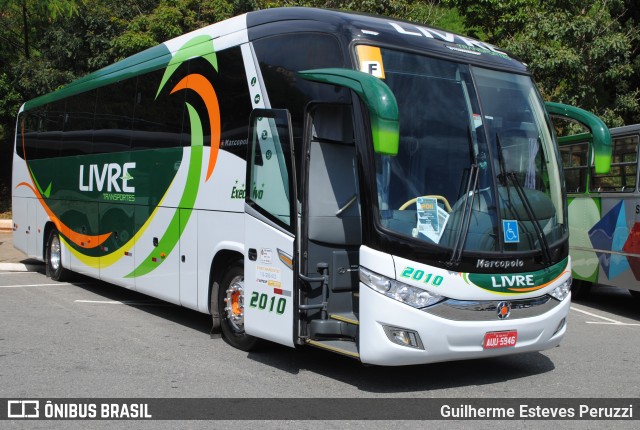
[[114, 117], [32, 120], [50, 135], [270, 133], [19, 134], [78, 124], [232, 92], [42, 131], [158, 121], [280, 57]]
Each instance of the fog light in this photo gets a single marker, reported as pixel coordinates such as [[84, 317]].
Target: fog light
[[560, 326], [403, 337]]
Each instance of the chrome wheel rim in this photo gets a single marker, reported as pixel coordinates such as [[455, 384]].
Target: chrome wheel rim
[[55, 254], [234, 304]]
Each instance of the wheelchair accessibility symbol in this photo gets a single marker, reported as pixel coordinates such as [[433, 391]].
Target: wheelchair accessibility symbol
[[510, 230]]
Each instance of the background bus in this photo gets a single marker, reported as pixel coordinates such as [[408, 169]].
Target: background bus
[[604, 211], [372, 187]]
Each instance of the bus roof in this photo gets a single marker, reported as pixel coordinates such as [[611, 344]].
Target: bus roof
[[383, 31], [352, 27]]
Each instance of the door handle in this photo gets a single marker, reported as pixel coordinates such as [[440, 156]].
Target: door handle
[[253, 254]]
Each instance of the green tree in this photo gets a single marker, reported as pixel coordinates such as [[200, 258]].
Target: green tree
[[171, 18], [580, 52], [424, 12], [32, 11], [47, 44], [583, 56]]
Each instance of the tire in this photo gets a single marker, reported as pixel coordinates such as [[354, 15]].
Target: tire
[[580, 289], [635, 294], [54, 258], [231, 309]]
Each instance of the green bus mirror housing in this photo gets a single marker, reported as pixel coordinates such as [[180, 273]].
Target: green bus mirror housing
[[599, 132], [382, 104]]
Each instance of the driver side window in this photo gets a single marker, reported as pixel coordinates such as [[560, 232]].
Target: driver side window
[[271, 174]]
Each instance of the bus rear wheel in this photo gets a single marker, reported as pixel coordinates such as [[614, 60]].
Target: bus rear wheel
[[231, 308], [54, 257]]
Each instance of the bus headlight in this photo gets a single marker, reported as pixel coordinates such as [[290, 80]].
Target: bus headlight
[[408, 294], [562, 291]]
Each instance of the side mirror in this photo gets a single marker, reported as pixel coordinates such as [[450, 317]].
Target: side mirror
[[599, 132], [377, 96]]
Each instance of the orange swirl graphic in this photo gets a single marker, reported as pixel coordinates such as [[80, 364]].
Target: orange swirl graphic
[[203, 87]]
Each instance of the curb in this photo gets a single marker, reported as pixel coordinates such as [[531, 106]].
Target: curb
[[20, 267], [6, 225]]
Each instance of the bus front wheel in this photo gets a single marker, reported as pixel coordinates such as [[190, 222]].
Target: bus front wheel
[[231, 308], [54, 257]]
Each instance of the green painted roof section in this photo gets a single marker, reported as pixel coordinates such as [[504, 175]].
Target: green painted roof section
[[143, 62], [146, 61], [599, 131], [382, 104]]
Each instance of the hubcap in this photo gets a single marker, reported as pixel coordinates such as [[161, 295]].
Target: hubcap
[[234, 304], [54, 252]]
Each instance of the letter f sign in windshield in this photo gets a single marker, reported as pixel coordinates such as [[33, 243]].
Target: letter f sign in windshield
[[373, 68]]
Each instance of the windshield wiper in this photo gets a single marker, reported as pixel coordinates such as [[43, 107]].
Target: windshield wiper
[[465, 217], [504, 178], [501, 163], [536, 224], [472, 184]]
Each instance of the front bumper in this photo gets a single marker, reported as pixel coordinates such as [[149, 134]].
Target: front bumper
[[448, 339]]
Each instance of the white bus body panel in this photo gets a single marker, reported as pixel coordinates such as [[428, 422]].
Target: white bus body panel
[[268, 283], [445, 339], [22, 199]]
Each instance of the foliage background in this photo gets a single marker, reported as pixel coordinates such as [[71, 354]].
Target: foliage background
[[581, 52]]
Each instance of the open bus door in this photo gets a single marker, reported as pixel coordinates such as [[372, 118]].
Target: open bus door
[[272, 267], [270, 229], [331, 227]]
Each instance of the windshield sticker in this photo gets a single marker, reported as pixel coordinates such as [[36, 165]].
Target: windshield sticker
[[432, 219], [370, 58], [477, 120], [510, 231]]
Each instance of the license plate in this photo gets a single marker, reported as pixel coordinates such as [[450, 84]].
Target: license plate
[[500, 339]]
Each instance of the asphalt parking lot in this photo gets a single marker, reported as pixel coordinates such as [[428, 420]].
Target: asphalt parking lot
[[87, 338]]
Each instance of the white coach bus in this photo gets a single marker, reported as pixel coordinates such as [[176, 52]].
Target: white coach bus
[[373, 187]]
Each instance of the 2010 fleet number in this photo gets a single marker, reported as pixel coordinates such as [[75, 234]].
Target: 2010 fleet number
[[419, 275], [262, 301]]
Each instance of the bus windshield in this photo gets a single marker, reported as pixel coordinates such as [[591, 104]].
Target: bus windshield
[[476, 168]]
